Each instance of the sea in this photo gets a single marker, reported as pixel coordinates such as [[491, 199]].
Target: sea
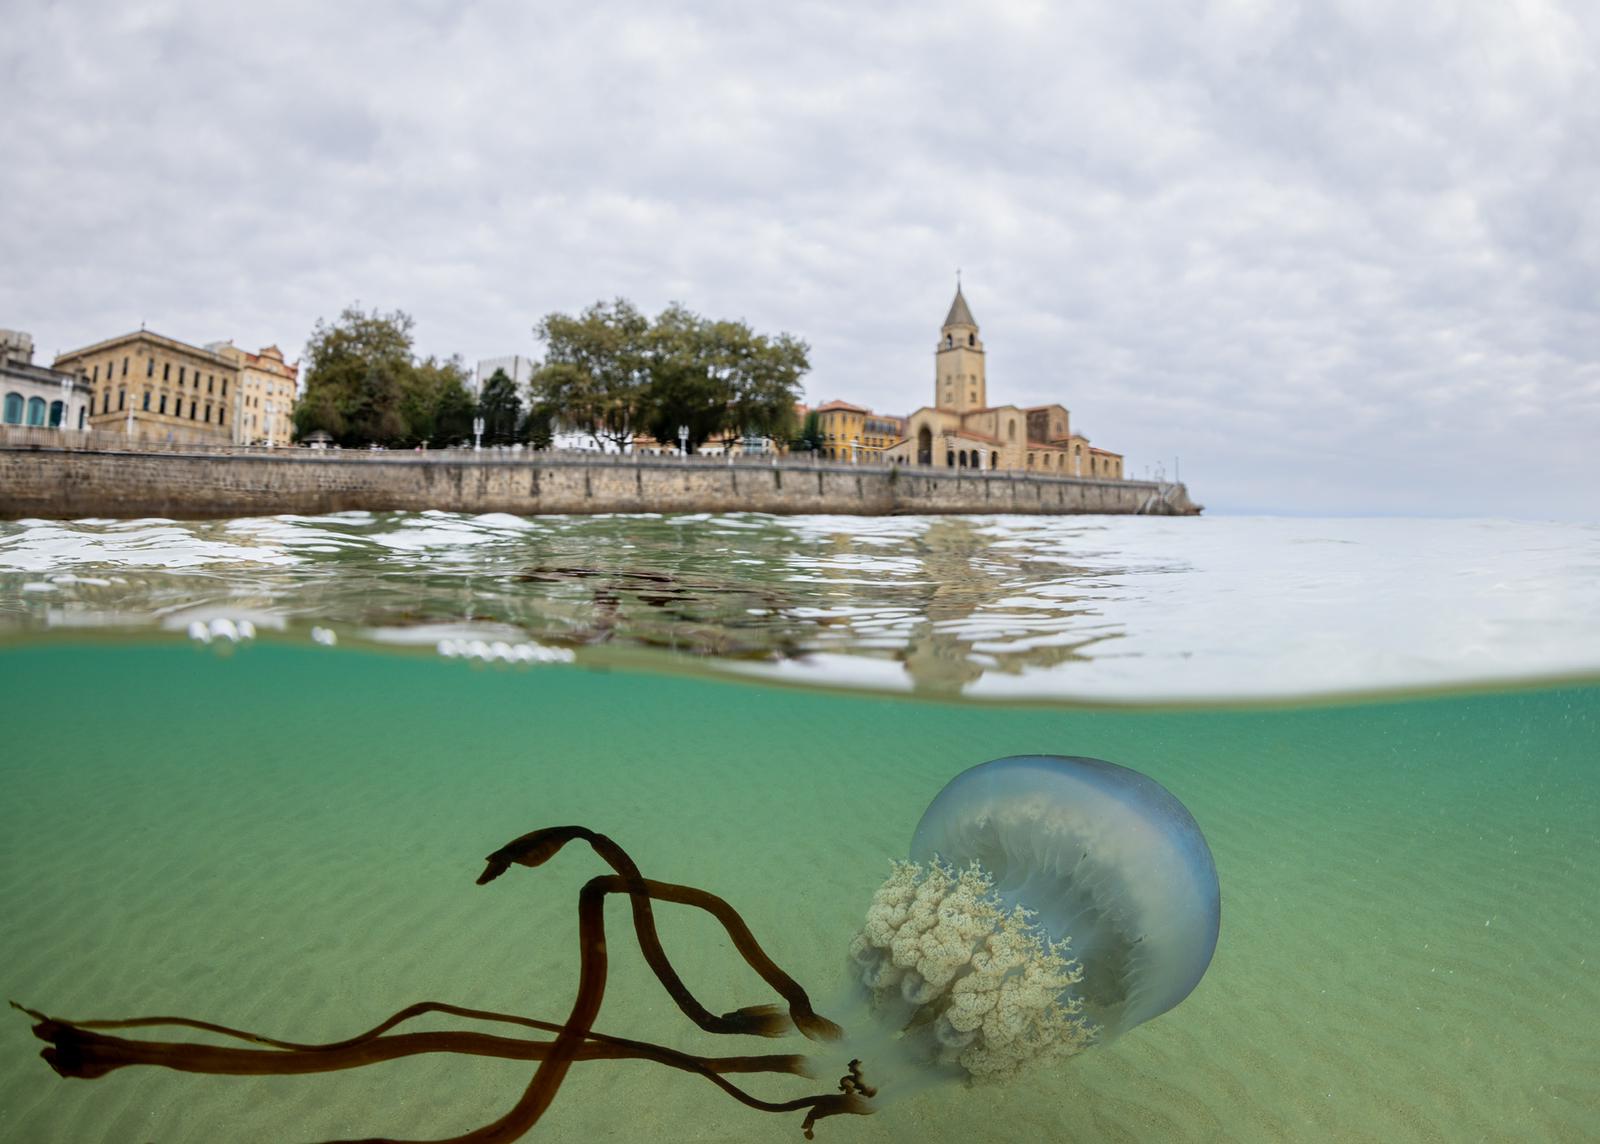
[[251, 769]]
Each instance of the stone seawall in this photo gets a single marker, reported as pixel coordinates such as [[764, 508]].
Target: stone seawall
[[69, 483]]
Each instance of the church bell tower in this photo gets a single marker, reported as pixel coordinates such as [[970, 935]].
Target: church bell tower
[[959, 383]]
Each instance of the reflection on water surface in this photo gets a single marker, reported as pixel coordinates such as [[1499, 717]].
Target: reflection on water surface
[[1091, 607]]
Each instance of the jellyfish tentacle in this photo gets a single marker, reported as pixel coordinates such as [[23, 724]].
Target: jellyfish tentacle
[[539, 846]]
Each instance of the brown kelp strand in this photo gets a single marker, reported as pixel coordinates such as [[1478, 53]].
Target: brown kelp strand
[[87, 1050]]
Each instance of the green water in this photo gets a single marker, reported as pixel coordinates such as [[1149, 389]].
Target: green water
[[286, 838]]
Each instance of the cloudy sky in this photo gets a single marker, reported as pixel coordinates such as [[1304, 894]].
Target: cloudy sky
[[1330, 257]]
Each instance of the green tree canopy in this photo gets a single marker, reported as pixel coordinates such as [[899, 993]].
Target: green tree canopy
[[365, 386], [357, 371], [809, 439], [613, 373], [500, 406], [593, 377]]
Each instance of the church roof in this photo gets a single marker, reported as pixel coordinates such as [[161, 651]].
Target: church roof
[[959, 315]]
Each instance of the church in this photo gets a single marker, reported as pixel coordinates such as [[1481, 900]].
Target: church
[[961, 430]]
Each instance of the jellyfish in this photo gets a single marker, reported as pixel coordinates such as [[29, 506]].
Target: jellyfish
[[1049, 904]]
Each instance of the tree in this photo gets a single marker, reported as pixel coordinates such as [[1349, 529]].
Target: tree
[[689, 378], [500, 406], [611, 372], [594, 373], [356, 376], [538, 427], [809, 439], [438, 407]]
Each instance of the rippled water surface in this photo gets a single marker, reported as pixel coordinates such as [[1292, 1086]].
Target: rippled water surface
[[1066, 607]]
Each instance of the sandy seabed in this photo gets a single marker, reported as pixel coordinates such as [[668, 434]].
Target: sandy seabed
[[287, 841]]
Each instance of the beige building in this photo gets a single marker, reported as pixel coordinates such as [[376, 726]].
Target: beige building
[[157, 389], [961, 430], [856, 433], [268, 386]]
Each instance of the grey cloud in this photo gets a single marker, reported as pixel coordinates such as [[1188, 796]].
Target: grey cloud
[[1340, 257]]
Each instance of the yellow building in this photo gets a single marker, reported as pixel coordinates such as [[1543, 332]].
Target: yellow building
[[961, 430], [267, 391], [856, 433], [157, 389]]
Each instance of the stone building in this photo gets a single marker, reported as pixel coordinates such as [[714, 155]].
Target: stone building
[[158, 389], [856, 433], [962, 430], [36, 396], [267, 390]]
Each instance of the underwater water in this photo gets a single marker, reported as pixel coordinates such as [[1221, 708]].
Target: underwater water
[[283, 834]]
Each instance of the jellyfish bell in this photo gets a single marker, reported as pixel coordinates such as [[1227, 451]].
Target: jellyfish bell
[[1050, 904]]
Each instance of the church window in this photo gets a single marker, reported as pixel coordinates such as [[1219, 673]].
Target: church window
[[972, 339], [949, 341]]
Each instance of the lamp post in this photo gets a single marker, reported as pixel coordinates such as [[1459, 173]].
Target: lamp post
[[477, 433], [683, 440]]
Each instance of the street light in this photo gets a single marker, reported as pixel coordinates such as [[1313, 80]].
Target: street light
[[477, 433], [683, 440]]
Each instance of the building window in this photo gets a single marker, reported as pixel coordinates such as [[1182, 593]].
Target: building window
[[224, 387], [949, 341], [211, 382], [95, 376], [949, 458], [14, 404], [124, 366], [192, 408], [208, 412], [36, 411], [166, 371], [105, 402], [83, 412], [122, 400], [163, 408], [147, 401], [58, 413], [972, 339], [150, 367], [180, 375]]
